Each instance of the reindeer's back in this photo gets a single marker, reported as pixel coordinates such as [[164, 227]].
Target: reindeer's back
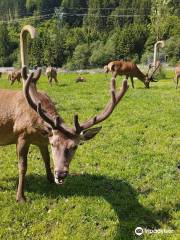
[[121, 67], [16, 116]]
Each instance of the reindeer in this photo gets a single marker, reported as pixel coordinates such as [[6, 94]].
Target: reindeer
[[177, 75], [30, 117], [51, 74], [80, 79], [129, 69], [14, 76]]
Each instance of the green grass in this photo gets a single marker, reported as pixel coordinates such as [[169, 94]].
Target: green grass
[[126, 177]]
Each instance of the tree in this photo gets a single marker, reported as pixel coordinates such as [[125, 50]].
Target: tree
[[172, 50], [105, 53], [160, 15], [80, 59], [72, 12], [5, 46]]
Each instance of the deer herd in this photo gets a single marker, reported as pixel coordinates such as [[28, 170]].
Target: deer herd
[[29, 116]]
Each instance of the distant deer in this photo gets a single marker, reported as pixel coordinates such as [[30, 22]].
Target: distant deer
[[129, 69], [51, 73], [177, 75], [14, 76], [80, 79]]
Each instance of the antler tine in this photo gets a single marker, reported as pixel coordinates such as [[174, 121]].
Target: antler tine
[[26, 91], [76, 124], [158, 65], [149, 67], [37, 75], [115, 99], [55, 124], [24, 72], [113, 88], [122, 91], [42, 114]]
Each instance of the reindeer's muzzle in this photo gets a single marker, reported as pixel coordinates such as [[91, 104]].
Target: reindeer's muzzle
[[60, 176]]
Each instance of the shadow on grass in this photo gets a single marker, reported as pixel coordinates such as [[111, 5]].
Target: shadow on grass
[[121, 195], [62, 84]]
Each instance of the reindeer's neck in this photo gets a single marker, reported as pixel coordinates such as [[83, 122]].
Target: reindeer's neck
[[141, 76]]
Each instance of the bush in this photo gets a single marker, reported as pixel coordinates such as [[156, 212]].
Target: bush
[[80, 59], [172, 49], [102, 53]]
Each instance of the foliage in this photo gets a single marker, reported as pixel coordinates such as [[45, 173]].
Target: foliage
[[173, 50], [5, 46], [105, 53], [80, 57], [160, 16], [111, 29]]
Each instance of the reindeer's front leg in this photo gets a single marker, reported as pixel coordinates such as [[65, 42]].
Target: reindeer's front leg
[[22, 151], [132, 82], [46, 158], [55, 79], [177, 81]]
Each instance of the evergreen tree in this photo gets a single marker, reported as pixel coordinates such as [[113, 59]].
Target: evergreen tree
[[5, 46]]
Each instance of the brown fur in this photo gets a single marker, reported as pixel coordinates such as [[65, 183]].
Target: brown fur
[[80, 79], [51, 74], [127, 68], [177, 75], [14, 76], [21, 125], [19, 119]]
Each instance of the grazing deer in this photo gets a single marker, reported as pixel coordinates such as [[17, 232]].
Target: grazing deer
[[30, 117], [14, 76], [177, 75], [51, 74], [80, 79], [129, 69]]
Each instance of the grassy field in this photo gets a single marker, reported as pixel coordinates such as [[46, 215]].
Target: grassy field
[[126, 177]]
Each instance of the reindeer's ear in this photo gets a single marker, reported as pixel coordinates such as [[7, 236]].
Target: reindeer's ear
[[89, 133], [44, 131]]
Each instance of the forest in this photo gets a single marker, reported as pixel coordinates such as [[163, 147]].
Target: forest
[[78, 34]]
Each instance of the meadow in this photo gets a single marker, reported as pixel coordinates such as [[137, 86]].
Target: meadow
[[126, 177]]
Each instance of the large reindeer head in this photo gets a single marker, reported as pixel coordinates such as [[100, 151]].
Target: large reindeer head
[[64, 140]]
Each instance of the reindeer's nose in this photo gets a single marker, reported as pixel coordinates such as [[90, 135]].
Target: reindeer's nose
[[61, 175]]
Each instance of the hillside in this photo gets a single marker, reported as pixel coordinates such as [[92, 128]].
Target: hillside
[[70, 32]]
